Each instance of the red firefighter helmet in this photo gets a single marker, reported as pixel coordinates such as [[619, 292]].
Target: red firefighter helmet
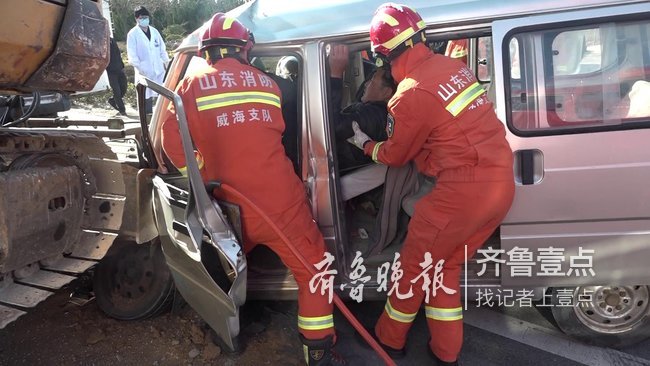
[[392, 26], [224, 31]]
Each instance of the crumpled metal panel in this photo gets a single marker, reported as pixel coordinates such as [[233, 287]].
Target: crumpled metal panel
[[138, 222], [81, 53]]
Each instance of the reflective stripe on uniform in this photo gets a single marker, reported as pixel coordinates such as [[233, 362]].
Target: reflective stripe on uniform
[[445, 315], [315, 322], [398, 315], [375, 151], [402, 36], [464, 99], [229, 99]]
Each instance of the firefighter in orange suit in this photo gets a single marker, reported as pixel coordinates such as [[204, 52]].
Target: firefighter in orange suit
[[235, 120], [440, 118]]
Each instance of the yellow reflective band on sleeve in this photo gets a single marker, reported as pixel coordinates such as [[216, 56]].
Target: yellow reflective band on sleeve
[[229, 99], [183, 171], [228, 23], [398, 315], [375, 151], [395, 41], [442, 314], [315, 322], [464, 99]]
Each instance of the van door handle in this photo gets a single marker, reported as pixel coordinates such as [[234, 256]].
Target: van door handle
[[529, 166], [527, 163]]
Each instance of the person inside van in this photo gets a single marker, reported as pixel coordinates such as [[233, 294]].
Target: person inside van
[[287, 68], [360, 173], [286, 75]]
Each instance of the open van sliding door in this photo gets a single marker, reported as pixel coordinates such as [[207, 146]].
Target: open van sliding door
[[573, 90]]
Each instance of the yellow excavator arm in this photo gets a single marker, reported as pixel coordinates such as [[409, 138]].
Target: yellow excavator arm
[[54, 45]]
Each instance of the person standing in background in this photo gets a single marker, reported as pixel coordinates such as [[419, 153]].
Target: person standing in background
[[147, 53], [116, 78]]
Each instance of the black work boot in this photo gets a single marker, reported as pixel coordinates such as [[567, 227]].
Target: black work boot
[[439, 362], [319, 352]]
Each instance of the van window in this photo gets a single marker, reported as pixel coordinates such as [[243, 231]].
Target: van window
[[578, 78], [576, 52]]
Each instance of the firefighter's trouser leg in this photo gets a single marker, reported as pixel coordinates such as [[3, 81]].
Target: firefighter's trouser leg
[[444, 311], [315, 319], [452, 215]]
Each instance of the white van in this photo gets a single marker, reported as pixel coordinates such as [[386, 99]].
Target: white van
[[569, 80]]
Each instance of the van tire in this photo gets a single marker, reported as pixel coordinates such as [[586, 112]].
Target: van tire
[[133, 281], [607, 316]]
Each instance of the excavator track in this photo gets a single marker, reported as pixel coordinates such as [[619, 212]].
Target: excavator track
[[62, 199]]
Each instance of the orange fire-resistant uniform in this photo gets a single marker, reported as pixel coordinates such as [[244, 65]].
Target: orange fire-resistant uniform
[[235, 120], [443, 121]]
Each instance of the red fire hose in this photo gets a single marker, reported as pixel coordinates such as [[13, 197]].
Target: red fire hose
[[337, 300]]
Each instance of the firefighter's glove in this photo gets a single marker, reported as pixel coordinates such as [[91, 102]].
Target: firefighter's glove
[[360, 138]]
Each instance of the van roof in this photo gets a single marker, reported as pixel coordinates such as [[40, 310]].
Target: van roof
[[275, 21]]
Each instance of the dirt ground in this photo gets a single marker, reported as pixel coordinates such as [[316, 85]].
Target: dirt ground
[[58, 332]]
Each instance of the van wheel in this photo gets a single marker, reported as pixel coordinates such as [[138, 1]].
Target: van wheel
[[133, 282], [611, 316]]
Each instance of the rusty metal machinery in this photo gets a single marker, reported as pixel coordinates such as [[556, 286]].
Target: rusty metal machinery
[[53, 45], [62, 191], [61, 204]]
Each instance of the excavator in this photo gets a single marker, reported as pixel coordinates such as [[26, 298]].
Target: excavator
[[62, 187]]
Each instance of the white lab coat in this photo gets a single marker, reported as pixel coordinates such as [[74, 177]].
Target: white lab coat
[[148, 56]]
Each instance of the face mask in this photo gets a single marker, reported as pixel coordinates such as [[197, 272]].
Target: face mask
[[143, 22]]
